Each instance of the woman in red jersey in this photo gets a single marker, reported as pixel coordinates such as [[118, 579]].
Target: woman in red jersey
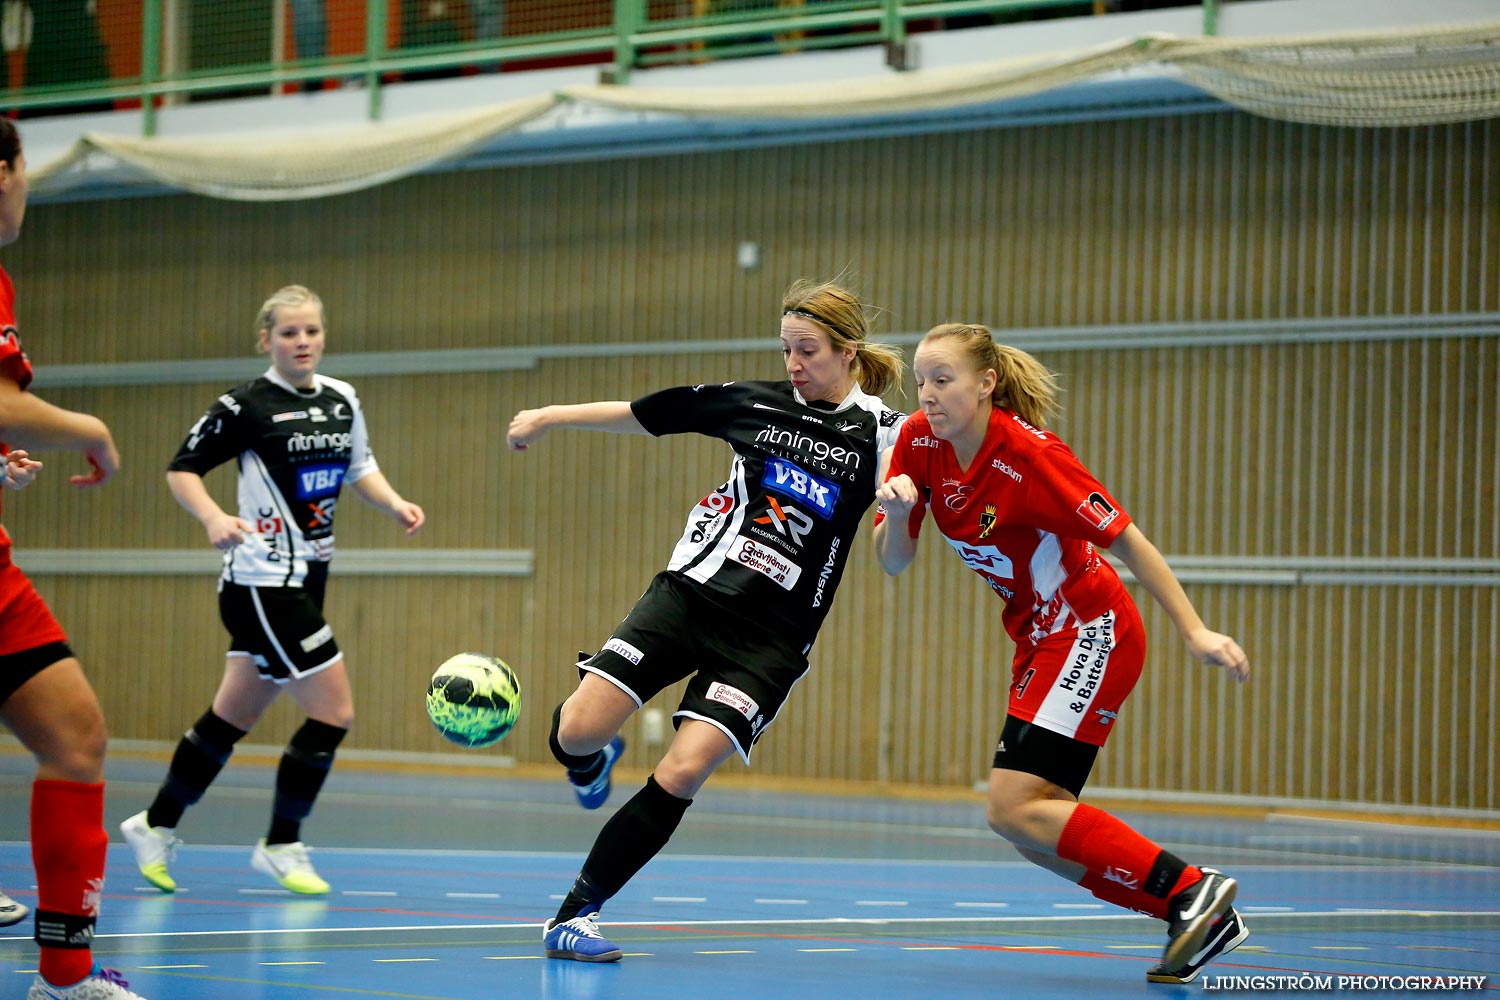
[[44, 697], [1022, 512]]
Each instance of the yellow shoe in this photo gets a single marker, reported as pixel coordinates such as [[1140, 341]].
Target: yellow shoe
[[154, 846], [289, 865]]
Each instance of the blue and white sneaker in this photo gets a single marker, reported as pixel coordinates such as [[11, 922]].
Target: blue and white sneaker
[[1225, 936], [11, 912], [591, 795], [1194, 913], [99, 984], [578, 939]]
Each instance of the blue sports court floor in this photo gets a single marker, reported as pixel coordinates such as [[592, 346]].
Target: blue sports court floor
[[441, 886]]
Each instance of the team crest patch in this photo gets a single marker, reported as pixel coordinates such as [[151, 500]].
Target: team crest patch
[[987, 520]]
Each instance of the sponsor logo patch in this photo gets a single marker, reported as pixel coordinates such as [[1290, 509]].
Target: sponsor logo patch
[[790, 479], [1097, 511], [767, 562], [734, 698], [624, 649], [321, 637], [278, 418], [791, 524], [1005, 469], [319, 480]]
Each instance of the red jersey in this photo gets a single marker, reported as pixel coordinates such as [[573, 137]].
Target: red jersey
[[1025, 515], [13, 366]]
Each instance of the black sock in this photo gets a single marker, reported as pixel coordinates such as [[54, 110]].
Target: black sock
[[585, 767], [304, 768], [1165, 871], [201, 754], [634, 835]]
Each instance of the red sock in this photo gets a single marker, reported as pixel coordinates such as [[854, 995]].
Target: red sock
[[1110, 891], [68, 844], [1124, 867]]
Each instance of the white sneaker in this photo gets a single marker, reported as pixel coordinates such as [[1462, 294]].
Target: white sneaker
[[154, 846], [289, 865], [11, 912], [100, 984]]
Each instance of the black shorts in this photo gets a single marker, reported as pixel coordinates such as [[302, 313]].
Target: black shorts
[[18, 668], [742, 670], [280, 628], [1035, 749]]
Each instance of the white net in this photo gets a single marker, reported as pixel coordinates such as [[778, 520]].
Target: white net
[[1373, 79], [1397, 78]]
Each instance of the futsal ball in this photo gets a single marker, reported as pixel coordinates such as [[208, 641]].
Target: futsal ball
[[474, 699]]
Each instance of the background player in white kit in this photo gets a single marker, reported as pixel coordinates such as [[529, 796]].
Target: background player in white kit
[[298, 437]]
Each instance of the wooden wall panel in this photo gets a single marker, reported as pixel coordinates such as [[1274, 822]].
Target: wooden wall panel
[[1320, 450]]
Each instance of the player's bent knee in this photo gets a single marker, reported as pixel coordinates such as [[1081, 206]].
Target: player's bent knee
[[77, 752], [1007, 815]]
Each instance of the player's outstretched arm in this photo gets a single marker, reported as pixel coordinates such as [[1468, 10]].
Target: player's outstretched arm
[[1143, 559], [375, 490], [613, 416], [31, 423]]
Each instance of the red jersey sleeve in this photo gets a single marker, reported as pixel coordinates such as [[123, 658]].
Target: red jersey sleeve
[[1067, 500]]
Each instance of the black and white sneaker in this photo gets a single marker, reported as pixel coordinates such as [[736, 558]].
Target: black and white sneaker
[[1193, 912], [11, 912], [1225, 936]]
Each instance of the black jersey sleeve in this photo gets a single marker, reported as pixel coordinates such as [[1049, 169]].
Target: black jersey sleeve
[[702, 409], [217, 437]]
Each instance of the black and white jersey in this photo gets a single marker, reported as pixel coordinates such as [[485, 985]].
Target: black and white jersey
[[772, 540], [296, 448]]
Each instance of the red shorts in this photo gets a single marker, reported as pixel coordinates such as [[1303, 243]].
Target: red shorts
[[1074, 681], [25, 621]]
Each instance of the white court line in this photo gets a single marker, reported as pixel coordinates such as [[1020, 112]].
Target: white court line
[[788, 922], [156, 967]]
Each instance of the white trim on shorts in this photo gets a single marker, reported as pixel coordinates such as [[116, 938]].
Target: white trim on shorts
[[683, 713], [584, 665]]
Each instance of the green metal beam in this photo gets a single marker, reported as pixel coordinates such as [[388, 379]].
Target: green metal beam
[[629, 41]]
